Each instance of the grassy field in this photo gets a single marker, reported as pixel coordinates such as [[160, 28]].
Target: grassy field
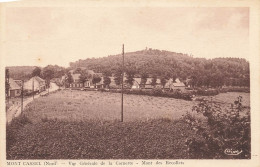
[[84, 105], [85, 125]]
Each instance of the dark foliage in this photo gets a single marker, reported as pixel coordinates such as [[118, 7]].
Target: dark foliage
[[202, 72], [54, 139], [225, 134]]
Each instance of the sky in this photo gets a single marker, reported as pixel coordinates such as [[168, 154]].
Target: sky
[[38, 36]]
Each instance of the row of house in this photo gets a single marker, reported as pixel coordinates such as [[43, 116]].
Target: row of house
[[77, 84], [170, 84], [35, 84]]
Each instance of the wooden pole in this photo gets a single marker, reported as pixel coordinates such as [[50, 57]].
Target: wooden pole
[[7, 79], [33, 88], [22, 98], [122, 90]]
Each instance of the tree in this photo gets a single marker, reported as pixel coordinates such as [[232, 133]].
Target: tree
[[130, 76], [7, 85], [107, 80], [174, 77], [163, 81], [68, 79], [118, 76], [154, 79], [77, 71], [36, 72], [83, 78], [144, 77], [48, 75], [96, 79]]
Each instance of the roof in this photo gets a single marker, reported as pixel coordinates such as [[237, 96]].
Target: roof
[[177, 80], [97, 74], [13, 84], [180, 84], [168, 83], [38, 79], [90, 72], [75, 76], [18, 82], [138, 80], [149, 81]]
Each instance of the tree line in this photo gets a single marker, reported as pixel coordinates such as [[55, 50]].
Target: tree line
[[155, 64], [164, 65]]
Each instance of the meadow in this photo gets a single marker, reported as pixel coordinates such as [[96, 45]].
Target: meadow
[[85, 125], [76, 105]]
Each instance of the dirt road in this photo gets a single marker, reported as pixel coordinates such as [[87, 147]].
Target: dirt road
[[15, 110]]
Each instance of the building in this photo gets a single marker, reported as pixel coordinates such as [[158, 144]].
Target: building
[[148, 84], [76, 81], [77, 84], [136, 83], [35, 84], [14, 89], [178, 85]]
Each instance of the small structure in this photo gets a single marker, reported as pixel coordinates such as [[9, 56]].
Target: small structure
[[148, 84], [14, 89], [35, 84], [136, 83], [178, 85], [77, 84], [76, 81]]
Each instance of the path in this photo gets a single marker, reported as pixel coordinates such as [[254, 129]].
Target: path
[[15, 110]]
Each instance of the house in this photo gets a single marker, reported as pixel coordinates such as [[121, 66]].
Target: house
[[76, 81], [14, 89], [178, 85], [77, 84], [188, 82], [100, 84], [168, 84], [35, 84], [136, 83], [148, 84]]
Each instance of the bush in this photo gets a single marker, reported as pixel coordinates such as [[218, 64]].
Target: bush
[[13, 128], [207, 92], [238, 89], [157, 92], [225, 133]]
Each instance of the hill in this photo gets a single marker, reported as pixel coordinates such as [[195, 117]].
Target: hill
[[203, 72], [20, 72], [25, 72]]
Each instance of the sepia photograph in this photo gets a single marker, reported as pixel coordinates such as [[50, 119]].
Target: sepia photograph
[[127, 83]]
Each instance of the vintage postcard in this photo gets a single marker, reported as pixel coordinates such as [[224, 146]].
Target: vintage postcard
[[129, 83]]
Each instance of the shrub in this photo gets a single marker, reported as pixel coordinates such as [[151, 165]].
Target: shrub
[[157, 92], [13, 128], [224, 134], [239, 89], [207, 92]]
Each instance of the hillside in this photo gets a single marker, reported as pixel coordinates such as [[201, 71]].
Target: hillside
[[20, 72], [214, 72], [162, 64], [25, 72]]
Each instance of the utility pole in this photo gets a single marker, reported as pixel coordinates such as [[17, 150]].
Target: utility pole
[[33, 88], [122, 103], [22, 98], [49, 85], [8, 84]]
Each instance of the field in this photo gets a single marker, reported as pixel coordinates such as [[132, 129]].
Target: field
[[84, 105], [85, 125]]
